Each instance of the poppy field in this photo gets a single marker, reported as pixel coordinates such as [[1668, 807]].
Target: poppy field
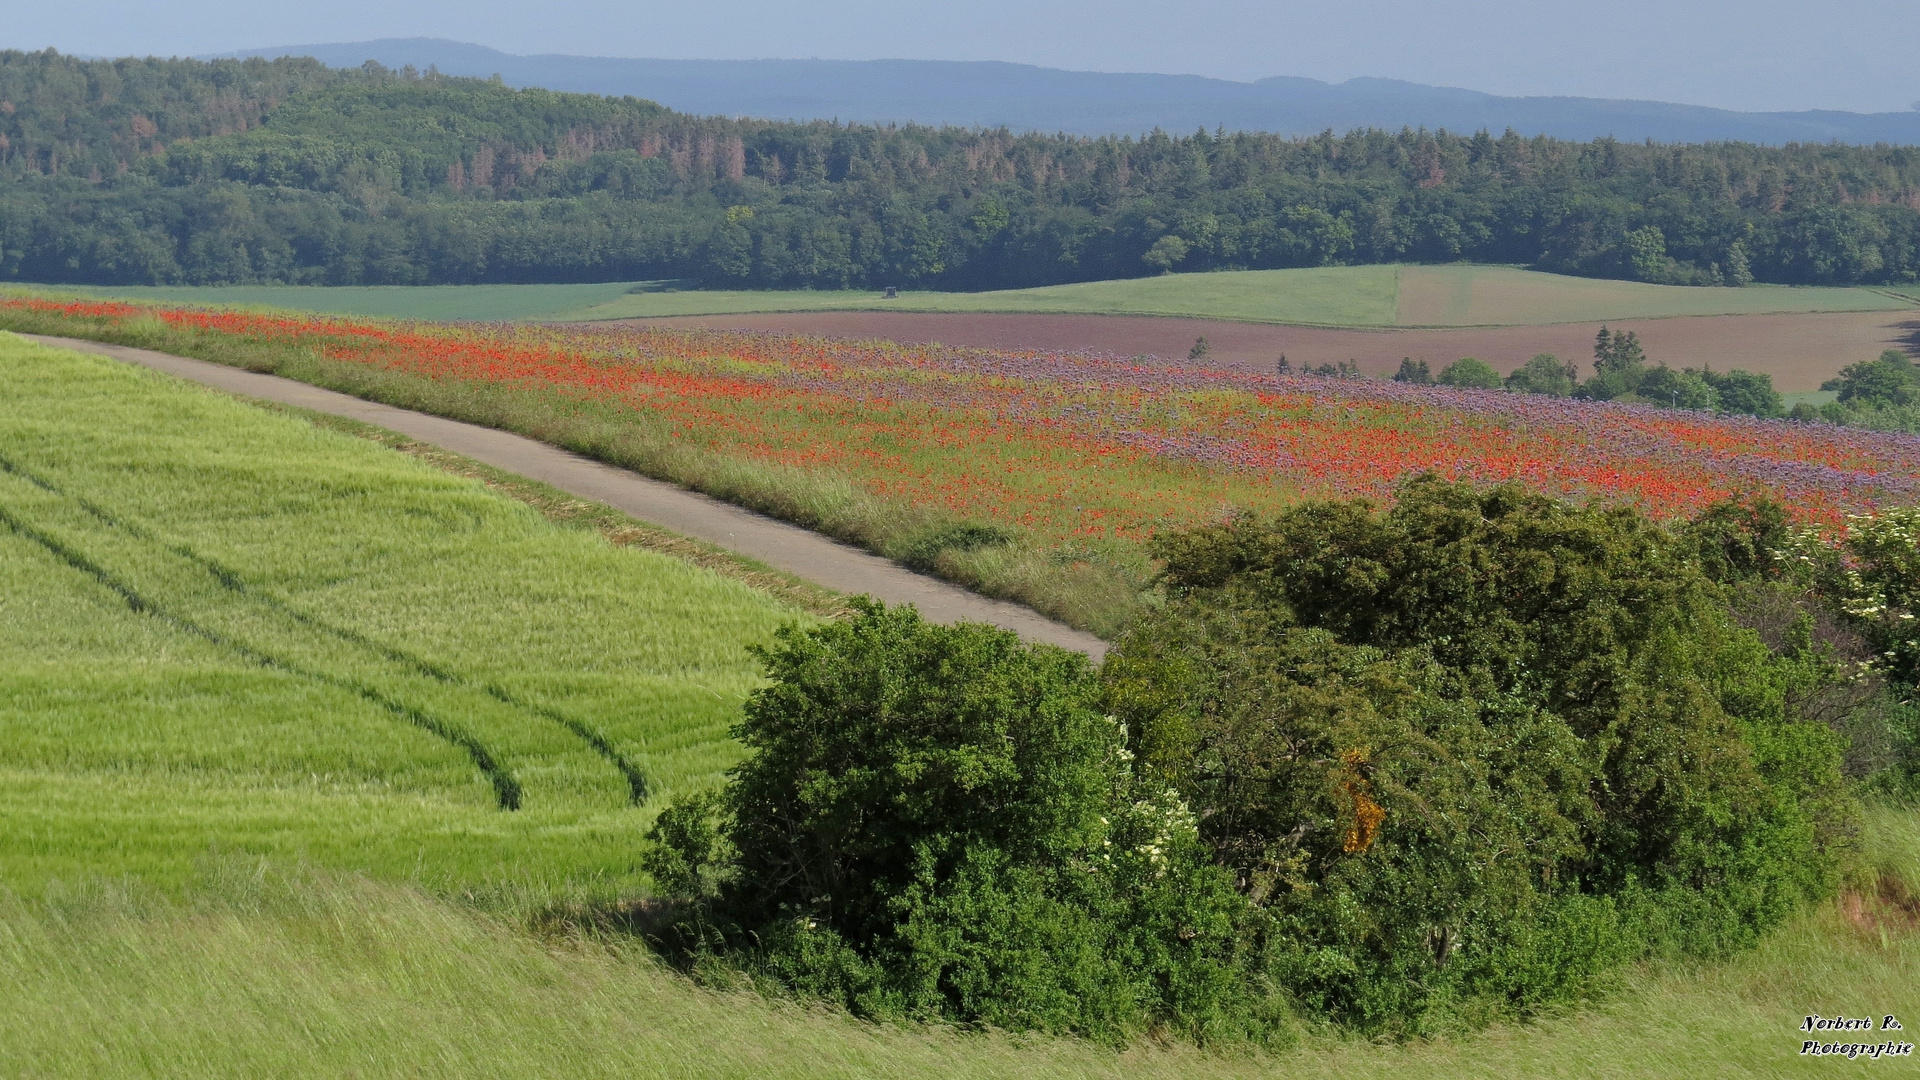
[[1078, 457]]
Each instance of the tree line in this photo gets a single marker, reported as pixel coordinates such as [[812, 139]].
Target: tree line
[[183, 171]]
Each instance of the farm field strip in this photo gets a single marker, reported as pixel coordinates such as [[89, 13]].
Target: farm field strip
[[1379, 296], [222, 629]]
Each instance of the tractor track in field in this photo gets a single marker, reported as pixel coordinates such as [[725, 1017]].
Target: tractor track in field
[[231, 580], [506, 787], [790, 548]]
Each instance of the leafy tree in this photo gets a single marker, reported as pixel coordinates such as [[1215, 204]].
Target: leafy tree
[[1470, 372], [1647, 252], [1619, 364], [1166, 253], [1746, 392], [1889, 380], [159, 171], [1738, 270], [1544, 374], [1684, 389]]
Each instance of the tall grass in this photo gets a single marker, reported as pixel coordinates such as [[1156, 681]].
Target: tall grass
[[258, 973]]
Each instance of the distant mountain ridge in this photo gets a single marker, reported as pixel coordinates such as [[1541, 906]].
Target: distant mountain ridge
[[1023, 97]]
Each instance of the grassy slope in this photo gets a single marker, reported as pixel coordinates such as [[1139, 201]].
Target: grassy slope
[[371, 980], [333, 641], [1330, 296]]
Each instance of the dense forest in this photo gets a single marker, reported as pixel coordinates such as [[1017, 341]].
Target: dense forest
[[183, 171]]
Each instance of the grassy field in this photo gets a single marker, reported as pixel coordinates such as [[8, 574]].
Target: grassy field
[[223, 630], [1364, 296]]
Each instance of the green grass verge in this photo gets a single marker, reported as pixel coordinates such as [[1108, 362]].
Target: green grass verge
[[1363, 296], [227, 630], [259, 973]]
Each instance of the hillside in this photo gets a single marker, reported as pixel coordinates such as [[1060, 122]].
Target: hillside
[[241, 841], [190, 172], [1022, 97]]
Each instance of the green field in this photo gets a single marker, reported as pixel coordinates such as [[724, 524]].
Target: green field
[[223, 630], [1327, 296]]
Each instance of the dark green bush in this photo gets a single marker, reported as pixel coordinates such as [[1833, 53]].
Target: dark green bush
[[938, 821], [1889, 380], [1470, 752]]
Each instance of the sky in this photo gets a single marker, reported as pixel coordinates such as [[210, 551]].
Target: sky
[[1758, 55]]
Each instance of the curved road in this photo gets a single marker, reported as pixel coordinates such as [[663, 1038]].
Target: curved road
[[785, 547]]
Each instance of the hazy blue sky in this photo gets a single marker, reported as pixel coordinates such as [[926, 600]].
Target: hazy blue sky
[[1756, 54]]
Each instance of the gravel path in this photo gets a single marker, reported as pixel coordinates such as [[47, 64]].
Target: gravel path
[[785, 547]]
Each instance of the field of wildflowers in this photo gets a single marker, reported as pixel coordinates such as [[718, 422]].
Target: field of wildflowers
[[1081, 458]]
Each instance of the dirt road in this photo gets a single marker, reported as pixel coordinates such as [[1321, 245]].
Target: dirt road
[[785, 547]]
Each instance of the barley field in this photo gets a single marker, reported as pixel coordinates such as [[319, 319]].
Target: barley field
[[224, 631]]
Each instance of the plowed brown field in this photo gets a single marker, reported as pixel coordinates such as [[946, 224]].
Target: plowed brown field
[[1799, 351]]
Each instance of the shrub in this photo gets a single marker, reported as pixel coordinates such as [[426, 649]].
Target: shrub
[[1478, 747], [1676, 389], [1544, 374], [1470, 372], [938, 821], [1890, 380]]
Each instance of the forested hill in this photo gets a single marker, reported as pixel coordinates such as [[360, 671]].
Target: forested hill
[[136, 171], [1024, 97]]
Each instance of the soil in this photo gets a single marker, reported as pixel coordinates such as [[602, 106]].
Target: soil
[[1800, 351]]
